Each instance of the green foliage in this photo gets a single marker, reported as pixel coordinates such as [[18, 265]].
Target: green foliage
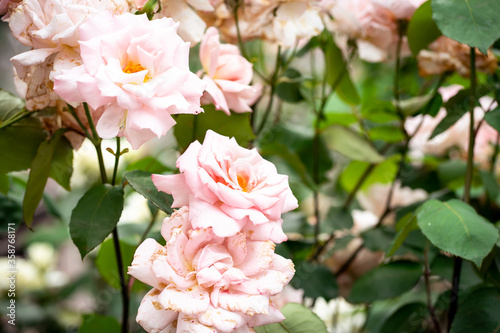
[[337, 73], [351, 144], [409, 222], [288, 87], [472, 22], [422, 30], [299, 319], [382, 173], [409, 318], [42, 165], [493, 118], [387, 133], [95, 216], [141, 182], [337, 219], [385, 281], [316, 280], [96, 323], [149, 164], [4, 184], [455, 227], [107, 266], [11, 211], [456, 107], [191, 127], [478, 312]]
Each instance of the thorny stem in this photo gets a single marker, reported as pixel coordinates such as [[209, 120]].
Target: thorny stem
[[457, 262], [117, 158], [427, 274]]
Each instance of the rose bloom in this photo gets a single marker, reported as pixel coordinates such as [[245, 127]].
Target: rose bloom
[[50, 27], [206, 283], [227, 74], [445, 54], [186, 13], [457, 136], [229, 189], [281, 22], [138, 69], [373, 24]]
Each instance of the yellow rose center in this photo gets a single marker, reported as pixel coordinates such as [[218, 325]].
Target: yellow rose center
[[132, 67], [243, 182]]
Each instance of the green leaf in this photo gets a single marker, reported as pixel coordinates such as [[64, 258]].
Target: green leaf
[[478, 312], [10, 106], [351, 144], [107, 266], [95, 216], [382, 173], [493, 118], [96, 323], [378, 239], [337, 219], [10, 211], [455, 227], [408, 318], [412, 105], [299, 319], [456, 107], [19, 144], [410, 224], [191, 127], [472, 22], [490, 184], [141, 182], [337, 74], [387, 133], [149, 164], [288, 88], [316, 280], [61, 168], [4, 183], [422, 30], [41, 167], [386, 281]]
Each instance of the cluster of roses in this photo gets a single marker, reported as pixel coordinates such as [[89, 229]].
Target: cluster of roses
[[133, 73], [218, 268]]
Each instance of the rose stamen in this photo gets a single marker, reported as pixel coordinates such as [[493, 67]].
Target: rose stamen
[[132, 67]]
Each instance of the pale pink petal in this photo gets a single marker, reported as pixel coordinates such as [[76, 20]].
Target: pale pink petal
[[152, 316], [142, 265], [247, 304], [188, 301], [175, 185]]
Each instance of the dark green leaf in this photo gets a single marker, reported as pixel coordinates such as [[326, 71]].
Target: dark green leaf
[[149, 164], [456, 107], [493, 118], [190, 127], [422, 30], [288, 88], [434, 105], [19, 144], [413, 105], [10, 212], [95, 216], [316, 280], [299, 319], [378, 239], [490, 184], [472, 22], [479, 312], [10, 106], [386, 281], [408, 318], [337, 219], [351, 144], [61, 168], [338, 74], [40, 171], [141, 182], [96, 323], [455, 227]]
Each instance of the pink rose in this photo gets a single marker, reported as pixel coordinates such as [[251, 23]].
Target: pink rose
[[138, 69], [203, 280], [227, 74], [230, 189]]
